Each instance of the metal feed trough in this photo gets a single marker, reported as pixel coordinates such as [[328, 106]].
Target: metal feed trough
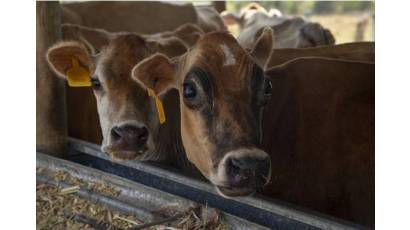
[[145, 188]]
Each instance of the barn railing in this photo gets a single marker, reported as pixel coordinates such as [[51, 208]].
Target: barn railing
[[256, 212]]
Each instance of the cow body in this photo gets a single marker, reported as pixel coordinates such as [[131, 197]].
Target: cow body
[[319, 131], [318, 127], [127, 115], [358, 51]]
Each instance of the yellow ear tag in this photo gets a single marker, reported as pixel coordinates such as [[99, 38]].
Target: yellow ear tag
[[78, 76], [158, 103]]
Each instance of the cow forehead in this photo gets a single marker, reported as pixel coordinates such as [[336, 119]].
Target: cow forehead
[[227, 63], [116, 60], [130, 48], [216, 38]]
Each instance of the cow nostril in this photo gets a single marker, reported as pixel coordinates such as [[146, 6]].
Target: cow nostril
[[116, 133], [130, 134], [143, 134], [239, 169], [234, 166], [248, 169]]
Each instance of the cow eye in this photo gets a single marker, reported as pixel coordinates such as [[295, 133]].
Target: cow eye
[[96, 84], [268, 88], [189, 91]]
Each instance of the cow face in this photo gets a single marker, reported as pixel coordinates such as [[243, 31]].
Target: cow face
[[222, 92], [127, 115]]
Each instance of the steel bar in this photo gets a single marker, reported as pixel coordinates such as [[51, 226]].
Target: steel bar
[[258, 209]]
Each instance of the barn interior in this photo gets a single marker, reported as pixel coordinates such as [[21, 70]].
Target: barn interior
[[79, 186]]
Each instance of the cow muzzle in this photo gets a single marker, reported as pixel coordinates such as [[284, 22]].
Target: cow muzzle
[[127, 141], [243, 172]]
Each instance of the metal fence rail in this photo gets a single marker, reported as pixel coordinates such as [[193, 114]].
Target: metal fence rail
[[134, 198], [260, 210]]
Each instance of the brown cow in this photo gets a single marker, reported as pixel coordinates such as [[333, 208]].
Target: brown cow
[[318, 128], [129, 124], [83, 120], [319, 131], [140, 17], [82, 117], [290, 32], [222, 95]]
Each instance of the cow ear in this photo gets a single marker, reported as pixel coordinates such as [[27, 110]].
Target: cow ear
[[230, 19], [263, 47], [61, 56], [274, 13], [170, 46], [93, 38], [188, 28], [156, 73], [189, 33], [191, 39], [315, 32]]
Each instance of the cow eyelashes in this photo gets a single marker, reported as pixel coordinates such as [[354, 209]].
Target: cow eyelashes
[[196, 88], [96, 84]]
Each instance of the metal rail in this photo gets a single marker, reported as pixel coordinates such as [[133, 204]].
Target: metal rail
[[134, 198], [261, 210]]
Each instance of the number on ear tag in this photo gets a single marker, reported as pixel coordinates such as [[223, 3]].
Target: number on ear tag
[[158, 104], [77, 75]]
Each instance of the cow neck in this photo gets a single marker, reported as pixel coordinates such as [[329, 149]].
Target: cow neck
[[168, 142]]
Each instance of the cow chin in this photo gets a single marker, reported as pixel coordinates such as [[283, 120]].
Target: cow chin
[[241, 172], [124, 155], [230, 192]]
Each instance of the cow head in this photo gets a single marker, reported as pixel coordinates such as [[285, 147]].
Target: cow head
[[127, 115], [290, 32], [251, 13], [222, 94]]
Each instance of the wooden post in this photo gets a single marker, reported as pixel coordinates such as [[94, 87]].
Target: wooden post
[[51, 130], [373, 27], [360, 29]]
